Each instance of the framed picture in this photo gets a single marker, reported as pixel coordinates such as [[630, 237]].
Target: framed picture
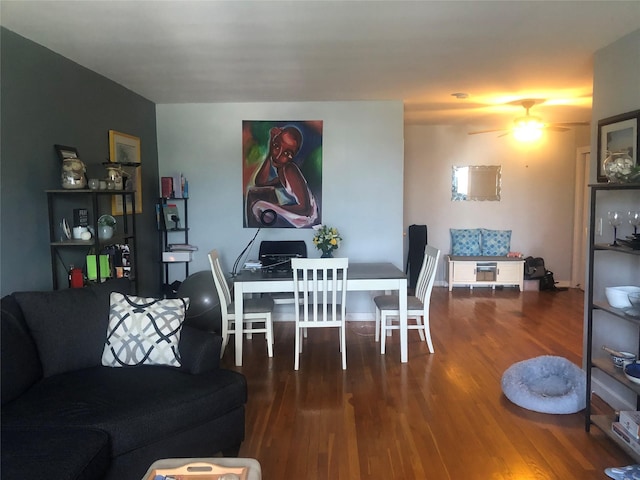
[[617, 134], [125, 150], [66, 152]]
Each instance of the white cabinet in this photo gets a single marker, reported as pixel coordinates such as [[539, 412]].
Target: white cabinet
[[462, 272], [485, 271], [511, 273]]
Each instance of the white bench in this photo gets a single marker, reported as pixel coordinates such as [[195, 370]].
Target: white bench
[[485, 271]]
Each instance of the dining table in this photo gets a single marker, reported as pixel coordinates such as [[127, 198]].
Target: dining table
[[361, 276]]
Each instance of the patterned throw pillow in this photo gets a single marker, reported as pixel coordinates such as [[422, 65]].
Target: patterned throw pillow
[[465, 242], [144, 331], [496, 243]]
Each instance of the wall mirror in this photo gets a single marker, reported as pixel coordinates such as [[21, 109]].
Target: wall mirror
[[476, 182]]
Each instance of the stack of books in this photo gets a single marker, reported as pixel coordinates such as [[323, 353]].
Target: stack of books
[[627, 429], [252, 265], [181, 247], [178, 252]]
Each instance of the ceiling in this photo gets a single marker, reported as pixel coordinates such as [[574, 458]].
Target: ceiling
[[278, 51]]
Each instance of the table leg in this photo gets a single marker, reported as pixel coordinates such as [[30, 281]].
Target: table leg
[[238, 297], [402, 292]]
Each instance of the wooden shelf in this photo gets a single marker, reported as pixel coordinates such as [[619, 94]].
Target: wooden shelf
[[605, 365], [619, 248]]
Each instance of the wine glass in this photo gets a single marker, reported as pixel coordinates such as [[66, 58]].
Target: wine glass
[[615, 220], [634, 220]]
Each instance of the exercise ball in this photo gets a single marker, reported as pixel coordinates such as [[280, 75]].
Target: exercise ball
[[204, 305]]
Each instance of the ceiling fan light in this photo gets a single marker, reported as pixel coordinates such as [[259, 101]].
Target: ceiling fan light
[[528, 129], [527, 133]]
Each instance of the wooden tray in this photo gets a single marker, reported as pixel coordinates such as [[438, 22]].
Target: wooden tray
[[198, 471]]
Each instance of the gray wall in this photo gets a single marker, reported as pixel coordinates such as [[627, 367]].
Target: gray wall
[[362, 178], [48, 99]]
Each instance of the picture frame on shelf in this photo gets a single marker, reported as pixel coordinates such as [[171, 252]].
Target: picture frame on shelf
[[617, 133], [66, 152], [125, 150]]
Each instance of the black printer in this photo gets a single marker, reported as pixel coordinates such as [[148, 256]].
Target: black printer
[[276, 255]]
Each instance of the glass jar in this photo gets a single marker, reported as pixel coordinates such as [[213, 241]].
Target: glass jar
[[115, 174], [618, 167], [73, 173]]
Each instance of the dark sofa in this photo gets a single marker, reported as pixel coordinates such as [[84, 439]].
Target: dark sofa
[[66, 416]]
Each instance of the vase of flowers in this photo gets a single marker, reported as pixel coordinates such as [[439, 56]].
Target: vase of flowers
[[326, 239]]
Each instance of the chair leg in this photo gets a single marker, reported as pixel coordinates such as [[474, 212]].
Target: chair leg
[[248, 330], [420, 330], [225, 340], [269, 334], [343, 346], [427, 333], [383, 332], [226, 325], [296, 362], [377, 337]]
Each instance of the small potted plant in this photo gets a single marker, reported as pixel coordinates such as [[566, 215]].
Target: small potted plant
[[106, 226]]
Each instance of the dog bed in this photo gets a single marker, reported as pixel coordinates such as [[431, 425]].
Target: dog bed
[[546, 384]]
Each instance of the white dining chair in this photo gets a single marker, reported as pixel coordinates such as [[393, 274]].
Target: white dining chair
[[257, 311], [320, 292], [387, 306]]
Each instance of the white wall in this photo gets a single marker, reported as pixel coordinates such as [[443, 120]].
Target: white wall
[[537, 189], [616, 90], [363, 161]]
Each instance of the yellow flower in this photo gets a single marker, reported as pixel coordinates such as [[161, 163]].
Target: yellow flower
[[333, 241]]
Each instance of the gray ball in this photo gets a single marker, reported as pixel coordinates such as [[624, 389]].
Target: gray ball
[[204, 305]]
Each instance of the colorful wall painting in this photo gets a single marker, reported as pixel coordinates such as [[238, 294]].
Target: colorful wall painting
[[282, 173]]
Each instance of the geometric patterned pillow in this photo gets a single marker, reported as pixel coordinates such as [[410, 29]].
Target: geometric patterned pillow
[[465, 242], [496, 243], [143, 331]]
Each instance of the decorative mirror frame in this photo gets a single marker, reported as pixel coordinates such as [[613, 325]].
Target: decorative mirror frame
[[476, 183]]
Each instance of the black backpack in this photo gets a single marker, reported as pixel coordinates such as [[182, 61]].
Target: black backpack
[[547, 282], [534, 268]]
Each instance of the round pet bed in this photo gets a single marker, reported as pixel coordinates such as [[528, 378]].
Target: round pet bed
[[546, 384]]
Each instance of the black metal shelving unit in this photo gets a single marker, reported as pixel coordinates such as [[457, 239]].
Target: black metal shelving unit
[[166, 234], [90, 199], [603, 364]]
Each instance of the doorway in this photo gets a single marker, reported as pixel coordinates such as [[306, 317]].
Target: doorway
[[580, 217]]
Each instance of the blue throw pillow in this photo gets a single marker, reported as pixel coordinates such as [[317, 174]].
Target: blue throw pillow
[[465, 242], [496, 243]]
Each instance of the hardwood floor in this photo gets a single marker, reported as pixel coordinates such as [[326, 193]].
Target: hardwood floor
[[440, 416]]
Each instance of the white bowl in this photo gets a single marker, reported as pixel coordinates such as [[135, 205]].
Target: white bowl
[[618, 297]]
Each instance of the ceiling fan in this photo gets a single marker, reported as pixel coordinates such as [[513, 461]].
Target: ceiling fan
[[530, 127]]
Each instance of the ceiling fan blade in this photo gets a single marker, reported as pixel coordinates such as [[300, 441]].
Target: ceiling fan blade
[[553, 128], [569, 124], [504, 134], [486, 131]]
